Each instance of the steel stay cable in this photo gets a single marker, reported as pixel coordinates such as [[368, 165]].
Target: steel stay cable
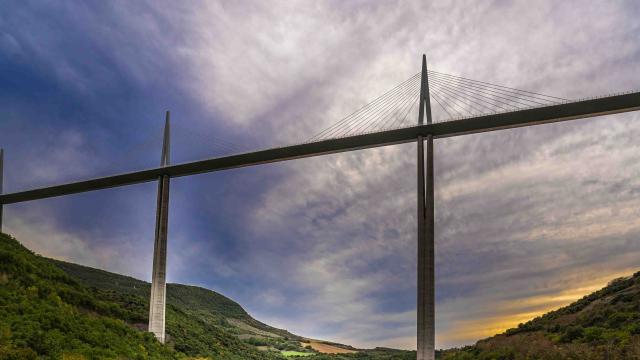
[[501, 93], [216, 141], [465, 99], [484, 97], [378, 99], [373, 116], [453, 102], [369, 118], [225, 146], [442, 106], [364, 118], [495, 93], [460, 99], [406, 113], [369, 113], [409, 110], [486, 101], [407, 97], [398, 115], [499, 86], [502, 88], [400, 109], [437, 93], [382, 124]]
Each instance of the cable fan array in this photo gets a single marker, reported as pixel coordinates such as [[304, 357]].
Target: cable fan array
[[452, 97], [455, 96], [388, 111], [462, 97]]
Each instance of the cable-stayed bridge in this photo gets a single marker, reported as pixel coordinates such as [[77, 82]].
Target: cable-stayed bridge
[[427, 106], [321, 144]]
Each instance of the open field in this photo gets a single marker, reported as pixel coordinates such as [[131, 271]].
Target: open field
[[327, 348]]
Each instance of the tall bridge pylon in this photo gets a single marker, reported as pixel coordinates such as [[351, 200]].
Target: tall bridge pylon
[[158, 300], [426, 236]]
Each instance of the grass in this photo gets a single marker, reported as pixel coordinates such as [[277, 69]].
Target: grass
[[295, 353]]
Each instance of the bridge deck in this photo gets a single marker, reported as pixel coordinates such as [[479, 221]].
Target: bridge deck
[[520, 118]]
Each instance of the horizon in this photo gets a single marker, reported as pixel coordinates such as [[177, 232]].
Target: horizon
[[527, 220]]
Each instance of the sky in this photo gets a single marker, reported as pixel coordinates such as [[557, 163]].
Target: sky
[[527, 220]]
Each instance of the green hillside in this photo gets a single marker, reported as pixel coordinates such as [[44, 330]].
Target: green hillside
[[59, 310], [56, 310], [602, 325], [183, 295], [195, 300], [44, 312]]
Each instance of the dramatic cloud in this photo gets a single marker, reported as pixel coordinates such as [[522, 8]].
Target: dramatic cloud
[[527, 220]]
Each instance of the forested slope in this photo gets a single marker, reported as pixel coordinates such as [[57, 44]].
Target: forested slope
[[602, 325], [51, 309], [45, 311]]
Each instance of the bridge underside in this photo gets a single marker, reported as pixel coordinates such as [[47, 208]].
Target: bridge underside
[[471, 125]]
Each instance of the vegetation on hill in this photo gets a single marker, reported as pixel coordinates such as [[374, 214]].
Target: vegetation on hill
[[222, 312], [56, 310], [195, 300], [180, 295], [602, 325], [44, 312], [47, 313]]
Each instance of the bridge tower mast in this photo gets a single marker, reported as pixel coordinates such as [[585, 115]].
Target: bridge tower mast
[[426, 236], [157, 303]]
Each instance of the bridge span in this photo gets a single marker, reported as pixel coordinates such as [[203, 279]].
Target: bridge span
[[544, 115]]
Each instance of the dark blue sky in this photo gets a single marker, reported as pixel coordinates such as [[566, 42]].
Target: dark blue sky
[[527, 219]]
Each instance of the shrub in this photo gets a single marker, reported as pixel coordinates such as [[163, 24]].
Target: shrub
[[572, 333]]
